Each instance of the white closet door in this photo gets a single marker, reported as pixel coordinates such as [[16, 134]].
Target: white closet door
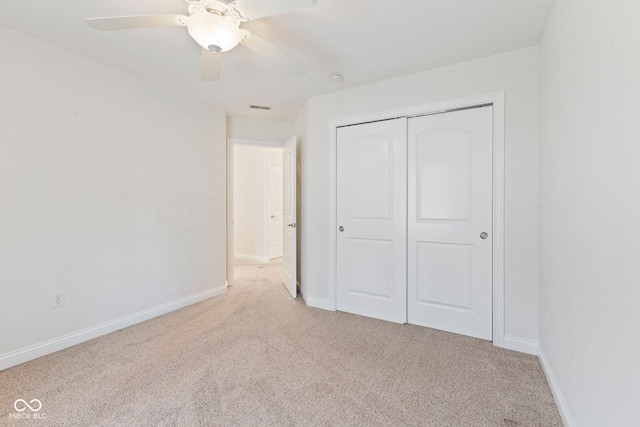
[[450, 221], [371, 214]]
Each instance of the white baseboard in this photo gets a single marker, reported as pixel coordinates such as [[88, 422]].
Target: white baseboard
[[318, 303], [251, 258], [31, 352], [567, 419], [522, 345]]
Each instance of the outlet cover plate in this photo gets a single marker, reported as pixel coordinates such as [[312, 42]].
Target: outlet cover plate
[[57, 299]]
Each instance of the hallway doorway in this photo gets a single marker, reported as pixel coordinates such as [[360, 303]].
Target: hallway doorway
[[257, 202]]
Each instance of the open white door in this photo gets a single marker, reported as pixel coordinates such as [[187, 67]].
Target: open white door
[[289, 217], [274, 204]]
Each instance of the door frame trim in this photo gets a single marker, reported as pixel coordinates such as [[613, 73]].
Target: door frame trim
[[497, 100]]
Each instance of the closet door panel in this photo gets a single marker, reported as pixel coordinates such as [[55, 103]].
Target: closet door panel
[[450, 207], [371, 218]]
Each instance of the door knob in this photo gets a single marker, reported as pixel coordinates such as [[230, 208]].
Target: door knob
[[341, 228], [273, 216], [292, 225], [483, 235]]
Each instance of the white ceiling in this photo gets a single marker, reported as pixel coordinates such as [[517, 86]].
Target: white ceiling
[[364, 40]]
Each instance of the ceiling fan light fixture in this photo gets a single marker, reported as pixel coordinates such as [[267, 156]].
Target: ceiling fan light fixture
[[213, 32]]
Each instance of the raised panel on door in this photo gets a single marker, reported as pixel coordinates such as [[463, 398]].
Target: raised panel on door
[[449, 206], [439, 263], [371, 178], [444, 175], [275, 202], [370, 267], [371, 212]]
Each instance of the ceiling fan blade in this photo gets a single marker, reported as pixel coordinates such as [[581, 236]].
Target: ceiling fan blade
[[143, 21], [269, 51], [256, 9], [211, 63]]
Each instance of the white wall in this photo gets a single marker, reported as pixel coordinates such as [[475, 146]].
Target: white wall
[[259, 130], [250, 194], [249, 198], [590, 210], [514, 72], [111, 189]]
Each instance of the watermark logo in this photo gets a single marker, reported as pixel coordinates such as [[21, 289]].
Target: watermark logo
[[21, 405], [34, 405]]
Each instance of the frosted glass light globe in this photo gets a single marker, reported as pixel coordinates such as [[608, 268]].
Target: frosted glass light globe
[[213, 32]]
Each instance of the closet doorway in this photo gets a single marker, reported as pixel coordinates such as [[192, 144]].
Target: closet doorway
[[416, 220]]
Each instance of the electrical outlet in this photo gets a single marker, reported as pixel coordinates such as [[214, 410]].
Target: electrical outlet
[[57, 299]]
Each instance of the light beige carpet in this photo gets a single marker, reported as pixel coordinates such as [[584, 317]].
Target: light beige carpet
[[257, 357]]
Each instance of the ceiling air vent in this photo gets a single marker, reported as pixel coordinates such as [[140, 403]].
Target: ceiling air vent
[[259, 107]]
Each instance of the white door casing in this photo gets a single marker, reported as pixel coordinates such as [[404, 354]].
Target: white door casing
[[449, 263], [497, 100], [289, 216], [230, 212], [274, 209], [371, 219]]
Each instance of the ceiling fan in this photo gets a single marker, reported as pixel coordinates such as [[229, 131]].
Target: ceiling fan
[[216, 25]]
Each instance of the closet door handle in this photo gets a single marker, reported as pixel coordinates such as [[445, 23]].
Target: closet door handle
[[341, 228], [483, 235]]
